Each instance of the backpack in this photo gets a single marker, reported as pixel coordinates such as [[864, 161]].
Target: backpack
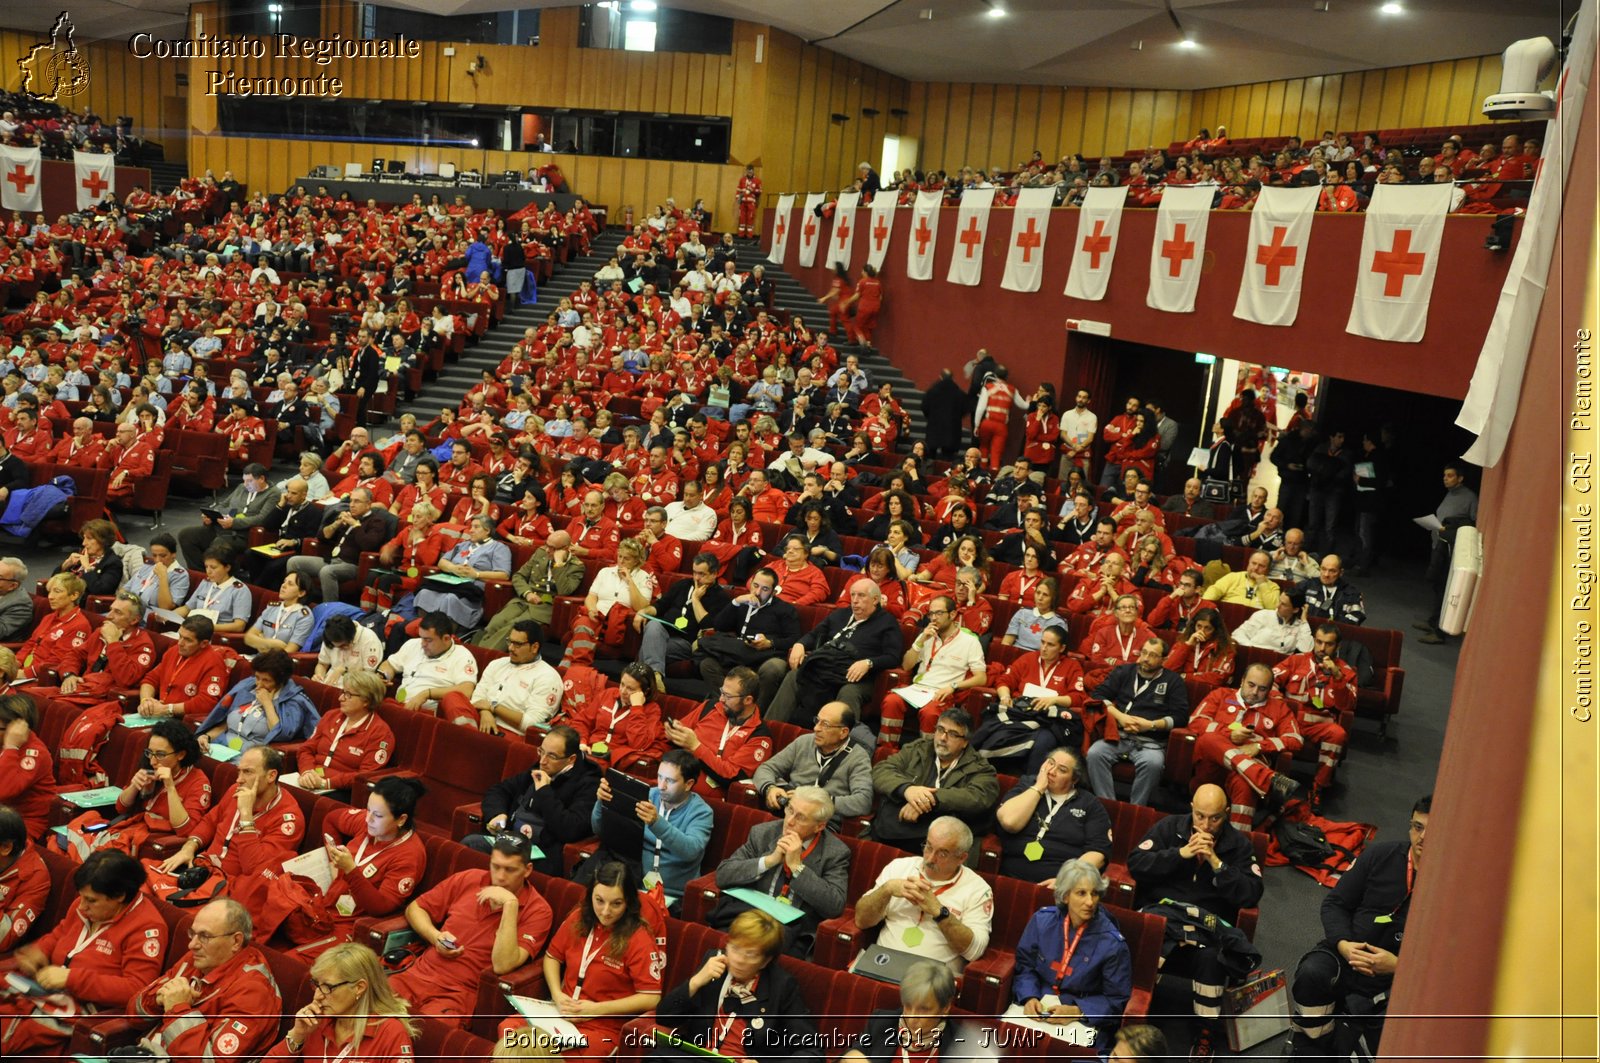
[[1320, 847], [1302, 844]]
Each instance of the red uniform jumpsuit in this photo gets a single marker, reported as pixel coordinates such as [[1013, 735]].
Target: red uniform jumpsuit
[[234, 1014], [1319, 700], [1218, 760]]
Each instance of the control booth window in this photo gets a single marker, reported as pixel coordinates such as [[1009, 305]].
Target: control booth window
[[645, 26]]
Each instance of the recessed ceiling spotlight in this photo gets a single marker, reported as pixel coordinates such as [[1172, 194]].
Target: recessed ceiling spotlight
[[996, 11], [1188, 42], [1392, 9]]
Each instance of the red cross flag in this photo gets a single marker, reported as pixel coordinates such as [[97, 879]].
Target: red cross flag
[[19, 180], [1025, 256], [810, 225], [95, 174], [782, 222], [972, 225], [924, 235], [1275, 257], [1399, 253], [880, 226], [1095, 244], [1178, 248], [843, 237]]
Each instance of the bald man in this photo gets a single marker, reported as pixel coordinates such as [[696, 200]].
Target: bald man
[[553, 570], [838, 659]]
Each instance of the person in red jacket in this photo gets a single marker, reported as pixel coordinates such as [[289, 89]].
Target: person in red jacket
[[727, 735], [82, 448], [63, 630], [219, 1001], [868, 301], [767, 503], [354, 1012], [1322, 687], [1239, 730], [1100, 595], [130, 458], [747, 196], [1115, 641], [24, 881], [108, 945], [27, 438], [190, 678], [27, 771], [1205, 652], [352, 742], [1175, 609], [621, 723], [594, 535], [1041, 434]]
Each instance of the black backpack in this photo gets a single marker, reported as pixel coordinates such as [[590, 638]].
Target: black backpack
[[1303, 844]]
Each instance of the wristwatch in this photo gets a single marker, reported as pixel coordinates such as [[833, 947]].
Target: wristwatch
[[944, 913]]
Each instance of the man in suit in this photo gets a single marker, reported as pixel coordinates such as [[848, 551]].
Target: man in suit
[[838, 660], [294, 518], [754, 629], [246, 506], [796, 860]]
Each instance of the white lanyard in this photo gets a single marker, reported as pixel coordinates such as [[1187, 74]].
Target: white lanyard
[[1126, 645], [334, 746], [938, 772], [1139, 690], [362, 859], [1045, 677], [666, 813], [1055, 806], [729, 729], [583, 964], [750, 612], [615, 719], [211, 596], [722, 1029], [345, 1051], [85, 939]]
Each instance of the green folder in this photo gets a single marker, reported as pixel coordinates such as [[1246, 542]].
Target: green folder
[[224, 753], [664, 1039], [99, 797], [133, 719], [783, 913]]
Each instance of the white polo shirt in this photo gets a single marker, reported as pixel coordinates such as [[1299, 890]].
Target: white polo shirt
[[968, 897]]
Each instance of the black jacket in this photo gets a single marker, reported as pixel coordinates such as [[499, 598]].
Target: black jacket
[[1374, 888], [1159, 871], [787, 1033], [877, 638], [778, 620], [675, 603], [559, 813]]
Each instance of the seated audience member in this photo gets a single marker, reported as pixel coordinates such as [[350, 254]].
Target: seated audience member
[[128, 937], [431, 666], [219, 1000], [474, 921], [1174, 610], [515, 693], [347, 648], [253, 828], [1052, 819], [837, 660], [1138, 1041], [1114, 642], [1073, 964], [380, 837], [1035, 699], [548, 804], [286, 624], [295, 518], [24, 881], [1321, 686], [617, 593], [63, 629], [1203, 650], [245, 507], [827, 758], [668, 628], [932, 905], [927, 993], [1329, 596], [1185, 868], [169, 795], [1189, 503], [943, 659], [1363, 923], [796, 860], [161, 582], [1250, 587], [938, 774], [353, 1010], [1235, 728], [1087, 559], [27, 769], [756, 629], [552, 571], [741, 1004], [350, 742], [677, 824], [1280, 628], [97, 564], [16, 601], [346, 535], [478, 557], [1292, 561], [690, 520], [266, 706], [1028, 622], [622, 723], [1267, 536], [727, 735], [1018, 584], [1096, 596], [1033, 533], [1143, 701], [603, 966], [189, 680], [221, 597]]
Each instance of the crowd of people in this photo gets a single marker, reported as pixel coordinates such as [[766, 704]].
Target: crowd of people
[[701, 491]]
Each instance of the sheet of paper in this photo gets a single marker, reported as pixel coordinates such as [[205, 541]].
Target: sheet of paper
[[544, 1015], [1429, 522], [1034, 690], [99, 797], [313, 865], [133, 719], [783, 913], [915, 696], [223, 753], [293, 779]]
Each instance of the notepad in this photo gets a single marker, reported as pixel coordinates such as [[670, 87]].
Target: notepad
[[221, 752], [314, 865], [99, 797], [134, 719], [270, 550], [783, 913], [915, 696], [544, 1015], [293, 779]]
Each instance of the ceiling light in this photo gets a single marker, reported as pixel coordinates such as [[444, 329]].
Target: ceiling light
[[1392, 9], [643, 5], [1188, 42], [996, 11]]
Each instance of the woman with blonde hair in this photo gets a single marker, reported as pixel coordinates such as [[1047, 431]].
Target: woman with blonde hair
[[618, 591], [352, 1012]]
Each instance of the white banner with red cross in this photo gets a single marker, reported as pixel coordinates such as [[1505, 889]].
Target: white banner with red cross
[[810, 226], [782, 221], [972, 227], [19, 180], [843, 237], [1095, 245], [1025, 256], [880, 228], [1275, 257], [1178, 248], [924, 235], [95, 174], [1399, 256]]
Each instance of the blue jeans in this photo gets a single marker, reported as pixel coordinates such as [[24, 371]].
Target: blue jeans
[[1148, 762]]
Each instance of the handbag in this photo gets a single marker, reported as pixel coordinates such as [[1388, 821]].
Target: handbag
[[1220, 491]]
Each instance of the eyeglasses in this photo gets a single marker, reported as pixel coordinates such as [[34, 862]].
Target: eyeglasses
[[518, 642], [202, 937], [737, 695], [821, 723], [950, 732], [545, 754], [327, 987], [942, 854], [161, 754]]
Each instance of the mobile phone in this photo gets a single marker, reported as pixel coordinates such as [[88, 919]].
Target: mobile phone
[[328, 838]]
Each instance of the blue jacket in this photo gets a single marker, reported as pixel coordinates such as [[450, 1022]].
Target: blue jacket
[[683, 835], [297, 717], [1101, 980]]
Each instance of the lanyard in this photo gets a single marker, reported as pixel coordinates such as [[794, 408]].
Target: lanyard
[[1126, 645], [750, 612], [938, 772], [333, 1030], [1045, 678], [615, 719], [584, 962], [1138, 691], [780, 883], [729, 729], [938, 891], [85, 939], [1055, 806], [211, 596], [362, 859], [1069, 945], [334, 745], [724, 1027], [665, 813]]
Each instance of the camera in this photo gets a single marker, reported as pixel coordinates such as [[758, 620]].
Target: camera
[[1523, 66]]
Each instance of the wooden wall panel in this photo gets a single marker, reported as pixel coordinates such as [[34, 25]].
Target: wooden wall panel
[[1119, 110]]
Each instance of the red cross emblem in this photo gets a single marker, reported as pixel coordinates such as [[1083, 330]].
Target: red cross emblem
[[21, 179], [1029, 239], [1398, 263], [923, 235], [1277, 256], [970, 236], [1096, 243], [842, 231], [1177, 250], [95, 184], [782, 227], [810, 231], [880, 233]]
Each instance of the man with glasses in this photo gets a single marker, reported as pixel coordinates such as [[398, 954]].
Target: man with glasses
[[839, 658], [940, 774], [1240, 732], [755, 630], [16, 600], [668, 627], [1050, 819], [727, 735], [362, 528], [933, 906], [253, 828], [432, 666], [827, 758], [549, 804], [219, 1001], [1363, 922], [474, 921], [1198, 869], [795, 860], [515, 693], [943, 659]]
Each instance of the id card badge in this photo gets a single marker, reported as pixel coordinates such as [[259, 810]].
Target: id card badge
[[345, 906], [651, 880]]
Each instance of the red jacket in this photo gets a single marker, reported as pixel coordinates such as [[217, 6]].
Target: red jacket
[[118, 961], [1273, 720], [197, 681], [1204, 664], [808, 586], [234, 1014], [53, 642], [342, 753], [1304, 683], [279, 828], [385, 876], [24, 892]]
